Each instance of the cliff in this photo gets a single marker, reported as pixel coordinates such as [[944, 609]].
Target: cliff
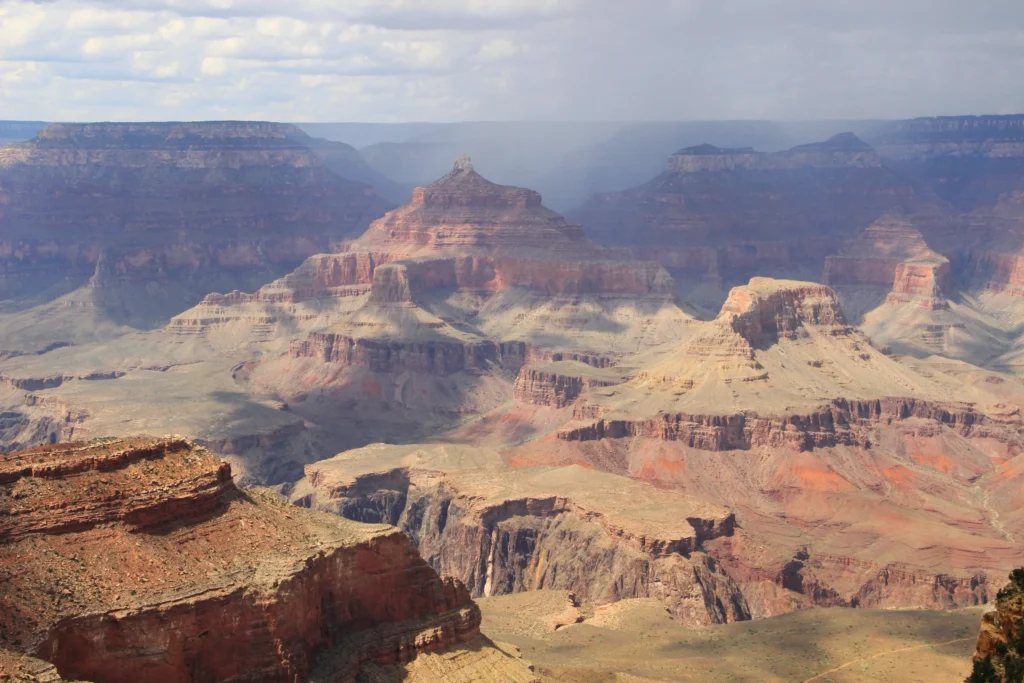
[[155, 559], [508, 530], [136, 203], [559, 384], [720, 216], [999, 656], [892, 253]]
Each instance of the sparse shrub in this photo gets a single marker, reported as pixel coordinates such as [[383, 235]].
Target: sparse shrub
[[1007, 664]]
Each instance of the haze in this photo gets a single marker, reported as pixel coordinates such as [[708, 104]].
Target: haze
[[447, 60]]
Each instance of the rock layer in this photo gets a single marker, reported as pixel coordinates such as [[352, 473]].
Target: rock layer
[[137, 203], [506, 531], [155, 559]]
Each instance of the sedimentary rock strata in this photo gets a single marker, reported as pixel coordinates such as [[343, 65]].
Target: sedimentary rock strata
[[145, 561], [505, 530], [139, 203], [720, 215], [788, 415]]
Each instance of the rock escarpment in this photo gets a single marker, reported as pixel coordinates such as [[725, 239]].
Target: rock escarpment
[[505, 530], [999, 656], [140, 203], [722, 215], [145, 559], [788, 415]]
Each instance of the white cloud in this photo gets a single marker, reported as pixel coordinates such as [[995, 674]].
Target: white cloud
[[502, 59]]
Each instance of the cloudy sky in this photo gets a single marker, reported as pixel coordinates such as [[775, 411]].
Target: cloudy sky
[[444, 60]]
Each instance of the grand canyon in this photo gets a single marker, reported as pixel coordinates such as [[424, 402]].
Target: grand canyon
[[269, 414]]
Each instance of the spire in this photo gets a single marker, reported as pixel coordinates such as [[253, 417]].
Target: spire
[[463, 163]]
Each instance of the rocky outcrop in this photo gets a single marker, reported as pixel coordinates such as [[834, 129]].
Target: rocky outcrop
[[999, 656], [892, 253], [923, 283], [766, 310], [148, 562], [507, 531], [138, 203], [557, 385], [842, 422]]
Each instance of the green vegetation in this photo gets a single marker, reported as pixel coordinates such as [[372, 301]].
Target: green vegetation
[[1007, 665]]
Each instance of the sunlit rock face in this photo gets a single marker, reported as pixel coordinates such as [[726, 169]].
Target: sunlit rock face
[[158, 566]]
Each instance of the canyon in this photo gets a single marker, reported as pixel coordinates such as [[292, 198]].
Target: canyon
[[761, 382]]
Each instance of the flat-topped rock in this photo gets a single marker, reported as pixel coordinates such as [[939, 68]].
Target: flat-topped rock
[[508, 529]]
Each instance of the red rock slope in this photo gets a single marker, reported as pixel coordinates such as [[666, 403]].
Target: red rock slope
[[139, 560]]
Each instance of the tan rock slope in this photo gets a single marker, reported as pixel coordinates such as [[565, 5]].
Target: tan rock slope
[[138, 559]]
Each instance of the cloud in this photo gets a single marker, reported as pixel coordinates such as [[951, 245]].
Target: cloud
[[391, 60]]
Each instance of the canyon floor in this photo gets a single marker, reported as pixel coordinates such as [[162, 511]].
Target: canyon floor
[[635, 641]]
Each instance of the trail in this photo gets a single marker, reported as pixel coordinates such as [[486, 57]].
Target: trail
[[884, 654]]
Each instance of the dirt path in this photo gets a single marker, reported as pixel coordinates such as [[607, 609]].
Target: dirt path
[[884, 654]]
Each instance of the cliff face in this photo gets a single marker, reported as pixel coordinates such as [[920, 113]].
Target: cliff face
[[507, 531], [730, 213], [558, 384], [147, 572], [999, 656], [136, 203], [892, 253], [968, 161]]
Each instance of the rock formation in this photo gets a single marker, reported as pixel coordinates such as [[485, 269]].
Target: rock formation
[[891, 255], [187, 206], [999, 656], [139, 558], [780, 410], [721, 215], [506, 530]]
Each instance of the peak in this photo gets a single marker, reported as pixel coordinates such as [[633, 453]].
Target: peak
[[463, 164], [845, 142]]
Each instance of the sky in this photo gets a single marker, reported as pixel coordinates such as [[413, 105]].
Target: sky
[[453, 60]]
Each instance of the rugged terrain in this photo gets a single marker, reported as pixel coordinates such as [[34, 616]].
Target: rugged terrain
[[715, 217], [131, 559], [848, 478], [538, 411], [107, 225]]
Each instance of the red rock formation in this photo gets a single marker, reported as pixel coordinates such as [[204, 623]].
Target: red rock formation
[[148, 563], [922, 282], [892, 253], [842, 422]]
